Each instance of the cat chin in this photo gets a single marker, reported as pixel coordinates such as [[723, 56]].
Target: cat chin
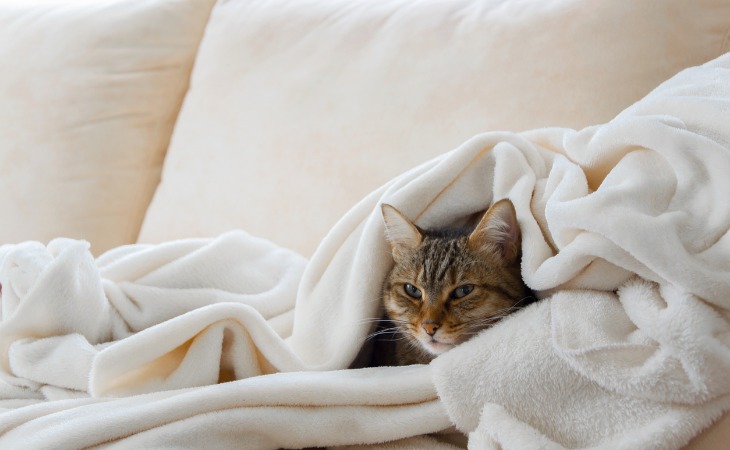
[[436, 348]]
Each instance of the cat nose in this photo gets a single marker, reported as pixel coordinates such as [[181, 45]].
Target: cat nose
[[430, 327]]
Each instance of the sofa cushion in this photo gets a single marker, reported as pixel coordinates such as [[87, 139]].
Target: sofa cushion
[[89, 91], [298, 108]]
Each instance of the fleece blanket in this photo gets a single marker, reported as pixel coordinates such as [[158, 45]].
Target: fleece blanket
[[233, 342]]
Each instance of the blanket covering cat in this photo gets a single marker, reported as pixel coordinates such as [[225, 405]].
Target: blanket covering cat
[[625, 236]]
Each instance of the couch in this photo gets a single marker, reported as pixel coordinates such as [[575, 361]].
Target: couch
[[155, 122]]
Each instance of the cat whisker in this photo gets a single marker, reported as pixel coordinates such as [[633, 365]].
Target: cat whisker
[[483, 323], [403, 338], [385, 330], [412, 344], [523, 300], [396, 335], [499, 314], [491, 318], [383, 321], [375, 334], [401, 321], [477, 327], [514, 307], [376, 321]]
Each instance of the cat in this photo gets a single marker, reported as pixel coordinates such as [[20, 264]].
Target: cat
[[447, 284]]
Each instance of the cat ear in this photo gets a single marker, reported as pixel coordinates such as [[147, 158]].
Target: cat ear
[[399, 231], [499, 232]]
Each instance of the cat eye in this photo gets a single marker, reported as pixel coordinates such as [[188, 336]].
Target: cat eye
[[412, 291], [462, 291]]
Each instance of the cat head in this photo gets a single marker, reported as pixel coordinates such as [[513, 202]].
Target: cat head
[[447, 285]]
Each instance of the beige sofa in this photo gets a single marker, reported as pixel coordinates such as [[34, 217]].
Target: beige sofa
[[127, 121]]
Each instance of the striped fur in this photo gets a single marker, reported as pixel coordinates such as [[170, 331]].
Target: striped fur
[[441, 265]]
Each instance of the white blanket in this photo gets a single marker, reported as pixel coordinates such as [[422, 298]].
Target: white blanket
[[625, 235]]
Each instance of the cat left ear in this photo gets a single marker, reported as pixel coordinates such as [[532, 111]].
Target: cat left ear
[[402, 234], [499, 232]]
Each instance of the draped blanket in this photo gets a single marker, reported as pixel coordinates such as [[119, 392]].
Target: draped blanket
[[233, 342]]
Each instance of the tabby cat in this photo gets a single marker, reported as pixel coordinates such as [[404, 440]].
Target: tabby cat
[[447, 285]]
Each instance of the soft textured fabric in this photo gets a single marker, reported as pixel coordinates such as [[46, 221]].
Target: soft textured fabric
[[89, 93], [626, 236], [299, 108]]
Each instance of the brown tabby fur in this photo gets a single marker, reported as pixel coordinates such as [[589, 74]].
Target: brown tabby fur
[[437, 263]]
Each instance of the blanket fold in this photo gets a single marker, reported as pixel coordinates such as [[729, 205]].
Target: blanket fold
[[625, 234], [656, 342], [227, 318], [286, 410]]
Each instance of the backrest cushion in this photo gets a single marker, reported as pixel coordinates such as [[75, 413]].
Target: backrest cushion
[[89, 92], [298, 108]]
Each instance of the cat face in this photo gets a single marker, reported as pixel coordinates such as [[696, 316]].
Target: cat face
[[446, 286]]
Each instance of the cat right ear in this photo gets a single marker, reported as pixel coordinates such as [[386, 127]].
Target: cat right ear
[[400, 232], [499, 232]]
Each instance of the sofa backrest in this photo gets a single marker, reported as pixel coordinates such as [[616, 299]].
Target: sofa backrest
[[299, 108], [89, 94]]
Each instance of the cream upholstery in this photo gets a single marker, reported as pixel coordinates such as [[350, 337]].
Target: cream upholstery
[[299, 108], [89, 93]]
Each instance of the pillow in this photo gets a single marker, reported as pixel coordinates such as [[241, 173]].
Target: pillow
[[89, 92], [298, 108]]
